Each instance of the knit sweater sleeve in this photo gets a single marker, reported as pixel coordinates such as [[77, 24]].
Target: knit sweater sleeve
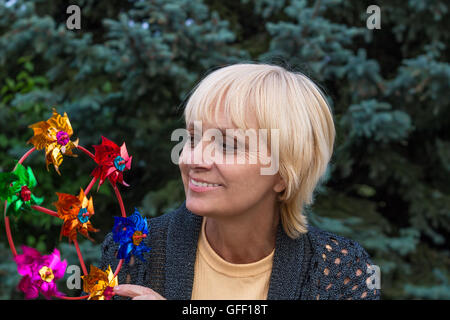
[[340, 269]]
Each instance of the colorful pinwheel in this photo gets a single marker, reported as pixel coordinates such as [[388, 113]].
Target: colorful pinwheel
[[75, 211], [129, 233], [39, 272], [112, 161], [99, 284], [54, 135], [15, 188]]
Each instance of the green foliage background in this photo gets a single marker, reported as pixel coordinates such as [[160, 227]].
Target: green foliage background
[[127, 72]]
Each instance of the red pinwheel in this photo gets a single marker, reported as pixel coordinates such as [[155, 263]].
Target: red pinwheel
[[112, 161]]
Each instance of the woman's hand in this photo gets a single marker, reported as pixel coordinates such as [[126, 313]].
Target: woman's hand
[[137, 292]]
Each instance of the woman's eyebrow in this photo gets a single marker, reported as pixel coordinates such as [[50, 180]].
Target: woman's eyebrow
[[223, 130]]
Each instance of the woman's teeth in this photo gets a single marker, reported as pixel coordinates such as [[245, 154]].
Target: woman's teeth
[[203, 184]]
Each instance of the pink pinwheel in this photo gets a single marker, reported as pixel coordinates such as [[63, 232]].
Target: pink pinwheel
[[39, 272], [112, 161]]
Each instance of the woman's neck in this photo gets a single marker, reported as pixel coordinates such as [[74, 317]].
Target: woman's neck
[[243, 238]]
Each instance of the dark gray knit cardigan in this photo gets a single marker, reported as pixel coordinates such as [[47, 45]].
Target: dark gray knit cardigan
[[317, 265]]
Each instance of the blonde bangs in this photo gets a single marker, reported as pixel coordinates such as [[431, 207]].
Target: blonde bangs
[[238, 91]]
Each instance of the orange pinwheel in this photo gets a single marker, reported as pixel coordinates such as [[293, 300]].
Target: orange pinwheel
[[54, 135], [99, 284], [75, 211]]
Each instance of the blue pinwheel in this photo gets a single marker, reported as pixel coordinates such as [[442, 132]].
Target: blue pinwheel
[[128, 233]]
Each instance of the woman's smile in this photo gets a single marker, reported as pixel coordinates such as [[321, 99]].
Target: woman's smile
[[202, 186]]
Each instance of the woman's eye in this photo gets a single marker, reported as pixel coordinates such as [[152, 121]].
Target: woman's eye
[[192, 141], [229, 147]]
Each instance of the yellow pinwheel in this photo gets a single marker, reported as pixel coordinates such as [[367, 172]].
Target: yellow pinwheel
[[54, 135], [99, 284]]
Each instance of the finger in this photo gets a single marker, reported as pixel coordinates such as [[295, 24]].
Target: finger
[[132, 290], [154, 296]]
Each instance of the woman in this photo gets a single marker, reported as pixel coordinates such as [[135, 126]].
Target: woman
[[242, 234]]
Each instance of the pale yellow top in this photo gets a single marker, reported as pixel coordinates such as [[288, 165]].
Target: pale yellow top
[[217, 279]]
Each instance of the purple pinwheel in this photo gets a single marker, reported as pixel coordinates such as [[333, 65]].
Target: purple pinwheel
[[39, 272]]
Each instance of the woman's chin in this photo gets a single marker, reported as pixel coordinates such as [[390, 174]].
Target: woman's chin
[[199, 207]]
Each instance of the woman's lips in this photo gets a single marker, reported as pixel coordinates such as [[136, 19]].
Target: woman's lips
[[199, 186]]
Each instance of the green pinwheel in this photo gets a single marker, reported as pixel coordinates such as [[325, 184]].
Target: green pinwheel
[[15, 188]]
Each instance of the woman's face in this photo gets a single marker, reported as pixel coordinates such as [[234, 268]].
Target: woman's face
[[216, 187]]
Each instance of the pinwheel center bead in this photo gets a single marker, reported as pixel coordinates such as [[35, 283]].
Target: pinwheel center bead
[[83, 215], [25, 193], [108, 293], [119, 163], [137, 237], [62, 137], [46, 274]]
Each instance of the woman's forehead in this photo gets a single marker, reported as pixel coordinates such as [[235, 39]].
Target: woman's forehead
[[222, 121]]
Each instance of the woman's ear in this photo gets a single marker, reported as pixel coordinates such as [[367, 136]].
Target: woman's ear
[[280, 185]]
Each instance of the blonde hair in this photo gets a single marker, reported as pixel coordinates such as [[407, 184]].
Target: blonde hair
[[280, 99]]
